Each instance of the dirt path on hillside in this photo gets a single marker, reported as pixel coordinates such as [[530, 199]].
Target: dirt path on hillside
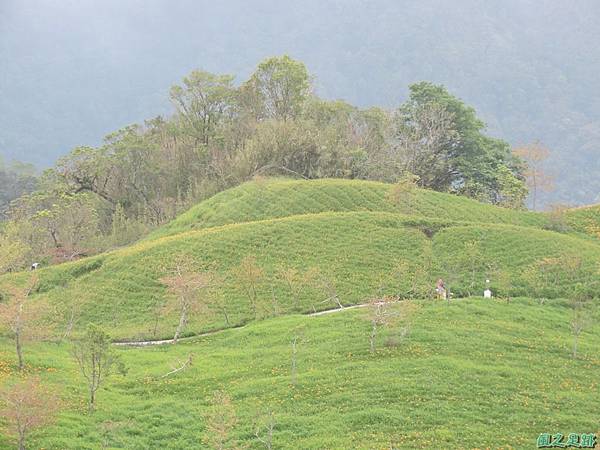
[[210, 333]]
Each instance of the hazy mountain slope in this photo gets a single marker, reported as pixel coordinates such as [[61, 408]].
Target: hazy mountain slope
[[73, 71]]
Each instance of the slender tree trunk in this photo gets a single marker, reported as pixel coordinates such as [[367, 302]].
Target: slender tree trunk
[[373, 336], [154, 331], [294, 354], [253, 300], [93, 387], [182, 322], [19, 347], [69, 325], [337, 301], [21, 438], [92, 400], [534, 196], [226, 316]]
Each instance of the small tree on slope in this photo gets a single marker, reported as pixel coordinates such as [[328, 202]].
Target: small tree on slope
[[189, 292], [21, 316], [221, 419], [96, 360], [250, 275], [27, 406]]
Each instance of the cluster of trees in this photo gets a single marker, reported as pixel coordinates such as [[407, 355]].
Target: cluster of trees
[[524, 83], [222, 134]]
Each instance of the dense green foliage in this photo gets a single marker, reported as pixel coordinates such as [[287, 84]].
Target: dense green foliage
[[475, 374], [460, 157]]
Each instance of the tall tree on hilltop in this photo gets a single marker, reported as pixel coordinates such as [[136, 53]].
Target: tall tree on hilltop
[[471, 159], [203, 101], [277, 89], [421, 137]]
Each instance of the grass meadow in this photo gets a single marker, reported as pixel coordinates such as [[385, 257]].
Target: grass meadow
[[473, 374]]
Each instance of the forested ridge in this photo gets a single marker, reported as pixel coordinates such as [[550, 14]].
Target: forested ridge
[[528, 67], [222, 135]]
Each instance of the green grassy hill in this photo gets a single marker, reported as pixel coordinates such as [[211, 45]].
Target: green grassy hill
[[584, 219], [274, 198], [357, 249], [358, 252], [470, 374], [475, 374]]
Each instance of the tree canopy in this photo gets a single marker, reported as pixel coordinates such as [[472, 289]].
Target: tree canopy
[[222, 134]]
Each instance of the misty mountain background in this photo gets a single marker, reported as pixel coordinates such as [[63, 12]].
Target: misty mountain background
[[72, 71]]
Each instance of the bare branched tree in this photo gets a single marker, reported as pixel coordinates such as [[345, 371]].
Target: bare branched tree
[[380, 315], [221, 420], [20, 315], [251, 275], [297, 282], [387, 312], [538, 180], [264, 429], [326, 284], [27, 406], [190, 291]]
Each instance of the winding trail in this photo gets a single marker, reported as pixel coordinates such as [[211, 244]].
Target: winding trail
[[210, 333]]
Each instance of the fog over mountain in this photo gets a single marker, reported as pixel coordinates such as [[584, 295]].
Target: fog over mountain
[[72, 71]]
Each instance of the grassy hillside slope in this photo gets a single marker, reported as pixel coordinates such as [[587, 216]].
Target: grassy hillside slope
[[585, 219], [357, 252], [470, 374], [475, 374], [274, 198]]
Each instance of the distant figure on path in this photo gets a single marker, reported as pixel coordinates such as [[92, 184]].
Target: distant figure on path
[[440, 289], [488, 292]]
